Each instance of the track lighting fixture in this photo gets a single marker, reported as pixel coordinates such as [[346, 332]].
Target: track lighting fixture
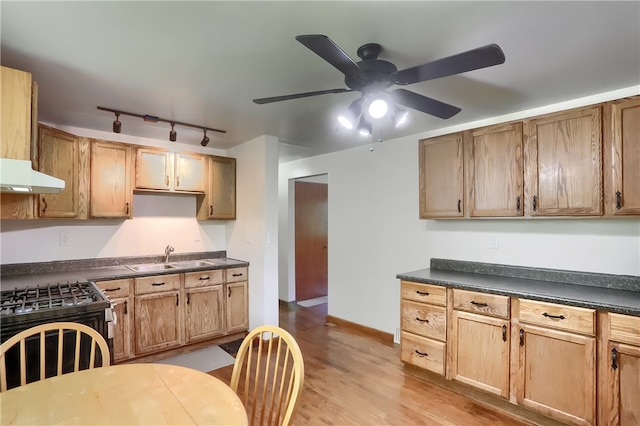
[[117, 125], [205, 139]]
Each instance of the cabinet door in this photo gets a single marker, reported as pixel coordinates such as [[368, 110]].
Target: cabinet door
[[624, 381], [556, 374], [480, 352], [15, 132], [441, 171], [237, 309], [496, 170], [204, 313], [153, 169], [222, 188], [122, 329], [110, 180], [190, 170], [58, 156], [157, 321], [624, 158], [563, 162]]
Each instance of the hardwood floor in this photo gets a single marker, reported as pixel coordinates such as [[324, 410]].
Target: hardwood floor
[[353, 378]]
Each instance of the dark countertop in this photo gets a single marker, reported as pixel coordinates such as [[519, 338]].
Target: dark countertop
[[94, 270], [624, 301]]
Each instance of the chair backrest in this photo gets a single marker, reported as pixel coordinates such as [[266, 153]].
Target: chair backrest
[[62, 338], [268, 375]]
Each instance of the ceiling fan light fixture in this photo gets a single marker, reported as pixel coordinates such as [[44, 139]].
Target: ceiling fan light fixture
[[173, 135], [349, 117], [205, 139], [117, 124], [364, 127], [378, 108]]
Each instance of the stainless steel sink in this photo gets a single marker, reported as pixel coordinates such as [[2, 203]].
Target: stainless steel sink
[[151, 267], [191, 264]]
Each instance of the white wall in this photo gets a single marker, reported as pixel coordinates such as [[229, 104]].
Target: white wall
[[375, 233]]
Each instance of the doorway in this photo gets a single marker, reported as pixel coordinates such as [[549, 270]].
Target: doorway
[[311, 238]]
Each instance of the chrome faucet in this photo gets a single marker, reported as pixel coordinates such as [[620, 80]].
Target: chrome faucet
[[167, 251]]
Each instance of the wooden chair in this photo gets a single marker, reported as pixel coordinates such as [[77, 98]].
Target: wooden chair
[[34, 338], [268, 375]]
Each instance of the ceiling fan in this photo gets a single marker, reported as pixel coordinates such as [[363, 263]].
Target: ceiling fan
[[372, 77]]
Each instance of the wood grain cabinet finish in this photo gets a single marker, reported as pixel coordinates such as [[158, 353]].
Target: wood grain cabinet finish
[[190, 172], [495, 166], [237, 300], [121, 296], [154, 169], [556, 370], [219, 201], [59, 156], [204, 310], [563, 163], [622, 157], [111, 192], [441, 174], [424, 324]]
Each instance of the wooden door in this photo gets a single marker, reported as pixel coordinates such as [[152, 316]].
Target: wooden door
[[111, 193], [441, 170], [153, 169], [203, 313], [496, 169], [190, 170], [58, 156], [222, 188], [157, 321], [557, 374], [237, 307], [564, 163], [311, 239], [480, 352], [623, 158]]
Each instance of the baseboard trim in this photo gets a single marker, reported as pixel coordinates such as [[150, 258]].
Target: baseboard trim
[[383, 336]]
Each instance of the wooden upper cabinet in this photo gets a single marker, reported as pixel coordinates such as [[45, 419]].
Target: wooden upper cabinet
[[563, 163], [59, 156], [219, 201], [153, 169], [190, 172], [15, 132], [622, 157], [111, 193], [496, 171], [441, 170]]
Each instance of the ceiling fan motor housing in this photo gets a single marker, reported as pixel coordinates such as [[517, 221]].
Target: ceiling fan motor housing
[[377, 76]]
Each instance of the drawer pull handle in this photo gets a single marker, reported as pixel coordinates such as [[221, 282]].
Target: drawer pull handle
[[157, 284], [521, 337], [238, 275], [459, 205], [422, 293], [482, 304], [422, 320], [553, 316], [203, 278], [504, 333], [421, 353], [614, 359], [112, 289]]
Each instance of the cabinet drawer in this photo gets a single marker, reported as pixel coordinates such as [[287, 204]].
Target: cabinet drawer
[[481, 303], [423, 352], [157, 283], [424, 320], [203, 278], [427, 293], [624, 329], [115, 288], [237, 274], [562, 317]]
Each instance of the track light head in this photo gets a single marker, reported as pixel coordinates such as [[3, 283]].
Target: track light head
[[117, 125], [173, 135], [205, 139]]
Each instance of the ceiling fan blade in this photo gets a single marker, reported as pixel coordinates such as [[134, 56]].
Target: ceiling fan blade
[[298, 95], [482, 57], [324, 47], [424, 104]]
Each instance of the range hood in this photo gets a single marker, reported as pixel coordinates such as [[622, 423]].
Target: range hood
[[17, 176]]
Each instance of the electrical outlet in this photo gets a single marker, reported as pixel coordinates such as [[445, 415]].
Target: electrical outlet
[[63, 239], [494, 242], [247, 237]]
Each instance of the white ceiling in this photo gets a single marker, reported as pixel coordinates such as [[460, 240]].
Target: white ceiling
[[204, 62]]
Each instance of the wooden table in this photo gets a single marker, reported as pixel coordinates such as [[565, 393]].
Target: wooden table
[[131, 394]]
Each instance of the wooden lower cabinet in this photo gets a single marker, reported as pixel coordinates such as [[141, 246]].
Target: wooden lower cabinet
[[236, 307], [203, 313], [480, 352], [157, 324], [121, 297], [423, 352]]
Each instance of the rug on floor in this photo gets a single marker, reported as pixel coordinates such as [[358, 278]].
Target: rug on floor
[[232, 347], [205, 360], [313, 302]]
